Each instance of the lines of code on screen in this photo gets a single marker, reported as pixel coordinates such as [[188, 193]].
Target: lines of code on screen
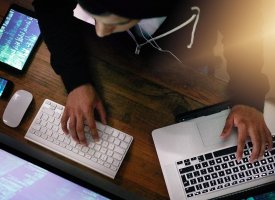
[[22, 180], [18, 35]]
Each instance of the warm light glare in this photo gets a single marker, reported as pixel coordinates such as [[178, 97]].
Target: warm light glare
[[269, 43]]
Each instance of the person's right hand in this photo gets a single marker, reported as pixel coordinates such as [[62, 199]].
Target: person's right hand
[[79, 108]]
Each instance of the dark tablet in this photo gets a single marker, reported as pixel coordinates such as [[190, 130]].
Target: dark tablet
[[19, 37]]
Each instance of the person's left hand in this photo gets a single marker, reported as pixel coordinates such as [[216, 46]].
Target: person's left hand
[[250, 123]]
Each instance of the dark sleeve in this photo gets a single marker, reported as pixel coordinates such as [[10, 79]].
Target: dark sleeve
[[60, 31], [243, 50]]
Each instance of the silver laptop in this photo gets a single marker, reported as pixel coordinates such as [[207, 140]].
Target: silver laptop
[[197, 164]]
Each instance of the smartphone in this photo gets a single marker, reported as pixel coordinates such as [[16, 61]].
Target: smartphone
[[5, 87], [19, 38]]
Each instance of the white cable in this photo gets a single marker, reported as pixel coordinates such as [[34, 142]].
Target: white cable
[[156, 46], [192, 18], [194, 26], [137, 44]]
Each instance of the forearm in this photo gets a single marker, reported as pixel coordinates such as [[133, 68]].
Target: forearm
[[243, 50], [61, 33]]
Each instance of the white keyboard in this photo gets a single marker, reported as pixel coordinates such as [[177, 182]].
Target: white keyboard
[[104, 156]]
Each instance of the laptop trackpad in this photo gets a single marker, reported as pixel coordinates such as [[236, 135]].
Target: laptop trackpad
[[211, 129]]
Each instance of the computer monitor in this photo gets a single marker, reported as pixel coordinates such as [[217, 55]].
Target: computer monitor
[[263, 192], [26, 173], [21, 179]]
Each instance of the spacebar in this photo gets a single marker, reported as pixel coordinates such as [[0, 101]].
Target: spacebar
[[225, 151]]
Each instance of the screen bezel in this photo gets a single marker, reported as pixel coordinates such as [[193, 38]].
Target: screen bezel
[[10, 68], [63, 169]]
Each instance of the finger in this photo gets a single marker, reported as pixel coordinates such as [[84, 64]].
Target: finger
[[94, 134], [263, 143], [92, 125], [72, 128], [228, 126], [80, 130], [102, 113], [257, 144], [268, 139], [241, 141], [64, 120]]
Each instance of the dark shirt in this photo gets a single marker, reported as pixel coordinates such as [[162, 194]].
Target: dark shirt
[[239, 21]]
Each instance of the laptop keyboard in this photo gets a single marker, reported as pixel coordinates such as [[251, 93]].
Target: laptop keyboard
[[219, 169], [104, 156]]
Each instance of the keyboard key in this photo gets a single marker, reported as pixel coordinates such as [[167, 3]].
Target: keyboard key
[[193, 181], [217, 167], [213, 182], [201, 158], [218, 160], [212, 162], [231, 164], [196, 173], [249, 166], [205, 164], [205, 185], [242, 167], [228, 171], [210, 169], [218, 170], [199, 187], [207, 177], [226, 151], [224, 166], [220, 181], [234, 176], [187, 169], [221, 173], [184, 181], [189, 175], [255, 171], [248, 173], [256, 163], [214, 175], [232, 156], [187, 162], [227, 179], [190, 189], [198, 166], [179, 162], [200, 179], [225, 158], [208, 156], [203, 171]]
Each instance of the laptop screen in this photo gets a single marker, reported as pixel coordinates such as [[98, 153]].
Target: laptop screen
[[21, 179]]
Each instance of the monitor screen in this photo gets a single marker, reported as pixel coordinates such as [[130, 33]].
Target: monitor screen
[[3, 84], [18, 35], [264, 196], [20, 179]]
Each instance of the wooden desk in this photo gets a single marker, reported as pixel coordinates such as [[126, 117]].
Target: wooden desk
[[136, 105]]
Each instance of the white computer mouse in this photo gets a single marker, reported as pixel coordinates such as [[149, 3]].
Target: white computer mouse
[[17, 107]]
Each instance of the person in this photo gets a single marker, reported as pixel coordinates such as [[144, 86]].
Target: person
[[188, 31]]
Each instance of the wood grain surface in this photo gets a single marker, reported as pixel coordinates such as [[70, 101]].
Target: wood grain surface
[[137, 100]]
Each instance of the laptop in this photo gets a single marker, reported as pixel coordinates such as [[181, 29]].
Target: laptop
[[197, 164]]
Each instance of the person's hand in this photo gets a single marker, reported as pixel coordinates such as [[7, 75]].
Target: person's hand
[[79, 108], [250, 123]]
